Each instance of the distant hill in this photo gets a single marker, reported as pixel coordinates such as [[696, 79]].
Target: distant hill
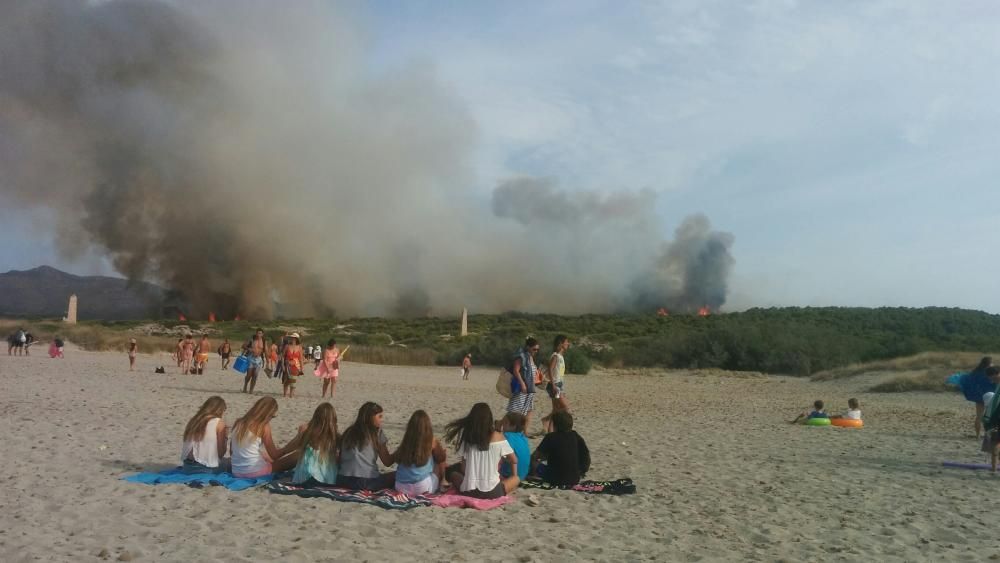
[[45, 291]]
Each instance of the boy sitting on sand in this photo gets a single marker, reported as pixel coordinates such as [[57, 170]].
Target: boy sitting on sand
[[853, 410], [817, 412], [565, 451]]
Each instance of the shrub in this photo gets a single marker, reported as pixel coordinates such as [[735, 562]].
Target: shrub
[[577, 362]]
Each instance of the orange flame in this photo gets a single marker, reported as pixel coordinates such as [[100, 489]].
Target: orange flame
[[704, 312], [181, 317], [211, 317], [662, 312]]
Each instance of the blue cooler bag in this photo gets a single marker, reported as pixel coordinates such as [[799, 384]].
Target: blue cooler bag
[[242, 364]]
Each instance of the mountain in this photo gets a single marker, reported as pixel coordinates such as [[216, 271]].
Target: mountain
[[45, 291]]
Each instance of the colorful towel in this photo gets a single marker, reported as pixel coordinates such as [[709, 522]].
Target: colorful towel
[[388, 498], [455, 500], [197, 480], [614, 487]]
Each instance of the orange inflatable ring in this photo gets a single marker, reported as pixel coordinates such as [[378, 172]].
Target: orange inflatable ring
[[847, 422]]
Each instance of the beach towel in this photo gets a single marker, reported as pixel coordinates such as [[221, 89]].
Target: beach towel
[[613, 487], [178, 476], [387, 498], [455, 500]]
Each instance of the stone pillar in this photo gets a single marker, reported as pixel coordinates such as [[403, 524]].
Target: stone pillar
[[465, 322], [71, 310]]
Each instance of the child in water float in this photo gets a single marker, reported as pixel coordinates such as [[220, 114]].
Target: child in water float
[[817, 412], [853, 411]]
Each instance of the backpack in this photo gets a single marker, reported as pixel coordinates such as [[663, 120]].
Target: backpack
[[503, 382]]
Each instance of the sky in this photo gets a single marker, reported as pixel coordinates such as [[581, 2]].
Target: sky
[[850, 147]]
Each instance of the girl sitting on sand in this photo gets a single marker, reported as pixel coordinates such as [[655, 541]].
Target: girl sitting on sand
[[420, 458], [329, 368], [206, 437], [481, 448], [362, 446], [319, 448], [254, 452]]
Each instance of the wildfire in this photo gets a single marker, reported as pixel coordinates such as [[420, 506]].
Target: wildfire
[[181, 317], [662, 312], [211, 317], [704, 312]]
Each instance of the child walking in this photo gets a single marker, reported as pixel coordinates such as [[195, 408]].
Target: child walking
[[319, 448], [420, 458], [133, 349], [329, 368]]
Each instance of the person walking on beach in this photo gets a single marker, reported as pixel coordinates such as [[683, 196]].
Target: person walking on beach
[[466, 366], [557, 369], [292, 365], [255, 355], [973, 385], [522, 399], [187, 354], [225, 350], [329, 368], [179, 352], [201, 360], [133, 349]]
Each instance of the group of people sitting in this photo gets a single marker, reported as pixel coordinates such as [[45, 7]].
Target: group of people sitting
[[853, 412], [493, 456]]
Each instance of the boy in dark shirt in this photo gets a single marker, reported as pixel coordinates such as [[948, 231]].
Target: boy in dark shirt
[[565, 451]]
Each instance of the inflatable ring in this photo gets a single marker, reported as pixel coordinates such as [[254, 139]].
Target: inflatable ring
[[818, 422], [847, 423]]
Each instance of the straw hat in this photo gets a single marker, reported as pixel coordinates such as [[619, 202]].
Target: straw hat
[[294, 335]]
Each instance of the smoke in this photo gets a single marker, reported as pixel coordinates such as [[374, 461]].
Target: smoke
[[246, 155], [692, 271]]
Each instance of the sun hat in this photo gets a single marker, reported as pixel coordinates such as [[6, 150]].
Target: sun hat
[[294, 335]]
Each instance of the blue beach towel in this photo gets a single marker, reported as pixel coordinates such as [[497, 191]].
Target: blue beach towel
[[178, 476]]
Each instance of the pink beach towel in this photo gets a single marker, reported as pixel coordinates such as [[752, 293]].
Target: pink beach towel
[[455, 500]]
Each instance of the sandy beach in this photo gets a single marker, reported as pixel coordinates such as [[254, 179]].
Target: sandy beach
[[720, 474]]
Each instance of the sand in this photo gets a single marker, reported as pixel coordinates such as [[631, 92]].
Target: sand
[[721, 476]]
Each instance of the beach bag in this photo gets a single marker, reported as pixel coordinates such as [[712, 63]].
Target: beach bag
[[503, 382], [241, 364]]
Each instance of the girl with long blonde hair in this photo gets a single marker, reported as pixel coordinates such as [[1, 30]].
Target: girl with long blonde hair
[[319, 448], [420, 458], [205, 437], [254, 452]]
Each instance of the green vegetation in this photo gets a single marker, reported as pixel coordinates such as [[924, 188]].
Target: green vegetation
[[797, 341]]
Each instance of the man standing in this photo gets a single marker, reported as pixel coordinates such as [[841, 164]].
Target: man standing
[[522, 399], [202, 358], [255, 354], [187, 354], [225, 351], [466, 366]]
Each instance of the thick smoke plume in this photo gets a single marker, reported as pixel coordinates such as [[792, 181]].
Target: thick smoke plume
[[246, 155]]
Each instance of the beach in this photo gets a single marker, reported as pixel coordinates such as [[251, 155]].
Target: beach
[[720, 473]]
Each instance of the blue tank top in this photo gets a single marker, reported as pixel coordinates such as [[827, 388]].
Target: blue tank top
[[414, 474]]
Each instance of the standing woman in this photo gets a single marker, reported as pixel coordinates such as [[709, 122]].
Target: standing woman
[[133, 349], [293, 366], [974, 385], [557, 369], [329, 368]]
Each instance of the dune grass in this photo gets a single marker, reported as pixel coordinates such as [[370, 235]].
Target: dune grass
[[931, 380], [936, 362]]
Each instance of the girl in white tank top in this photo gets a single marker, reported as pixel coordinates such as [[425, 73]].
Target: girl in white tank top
[[205, 438]]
